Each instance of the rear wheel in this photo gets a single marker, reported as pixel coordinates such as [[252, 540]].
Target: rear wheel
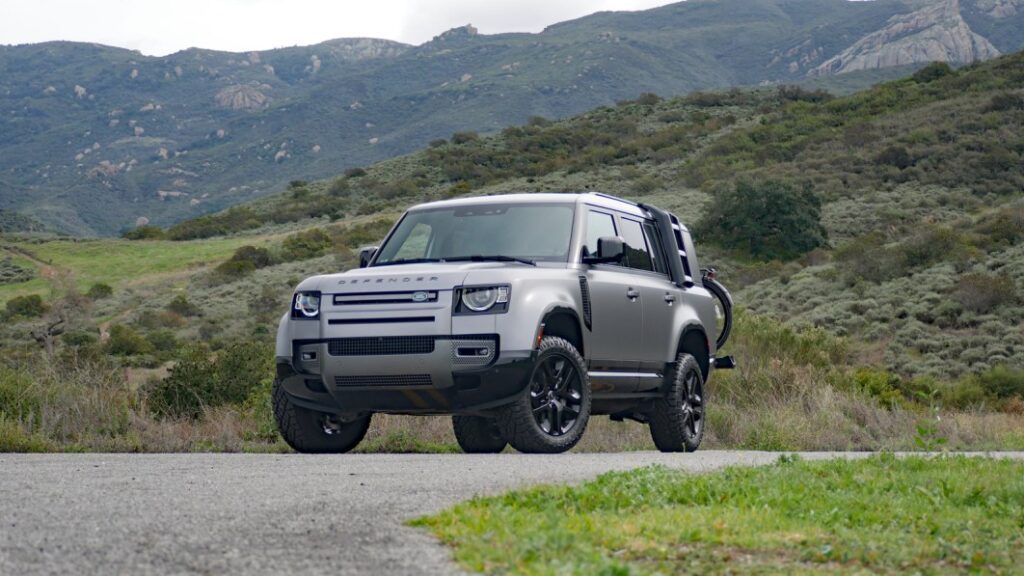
[[552, 412], [315, 432], [677, 421], [478, 435]]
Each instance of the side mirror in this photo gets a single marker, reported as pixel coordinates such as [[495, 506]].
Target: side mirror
[[610, 249], [365, 255]]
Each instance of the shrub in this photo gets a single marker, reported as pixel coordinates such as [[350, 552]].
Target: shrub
[[645, 185], [259, 257], [28, 306], [897, 156], [355, 173], [1005, 226], [339, 187], [464, 137], [11, 273], [241, 366], [99, 291], [234, 269], [648, 99], [458, 189], [162, 340], [304, 245], [929, 245], [1005, 101], [868, 258], [795, 93], [1002, 381], [879, 384], [182, 307], [146, 232], [983, 293], [236, 219], [768, 220], [932, 72], [198, 380], [124, 341], [189, 385]]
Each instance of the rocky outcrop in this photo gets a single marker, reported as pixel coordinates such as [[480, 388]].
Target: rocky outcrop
[[243, 97], [357, 49], [1000, 8], [936, 32]]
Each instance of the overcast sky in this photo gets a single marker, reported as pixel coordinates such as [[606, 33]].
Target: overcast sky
[[159, 28]]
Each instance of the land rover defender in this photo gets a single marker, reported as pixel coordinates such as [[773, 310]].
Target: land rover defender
[[520, 315]]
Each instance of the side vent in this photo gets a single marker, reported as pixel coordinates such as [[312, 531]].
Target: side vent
[[585, 294]]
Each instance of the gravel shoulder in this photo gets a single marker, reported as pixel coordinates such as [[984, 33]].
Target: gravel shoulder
[[256, 514]]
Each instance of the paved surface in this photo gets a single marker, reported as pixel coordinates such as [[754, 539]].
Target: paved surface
[[255, 514]]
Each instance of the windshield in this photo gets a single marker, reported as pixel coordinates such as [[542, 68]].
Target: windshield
[[536, 232]]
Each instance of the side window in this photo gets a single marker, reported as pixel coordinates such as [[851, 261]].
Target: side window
[[657, 252], [637, 254], [598, 224], [415, 245]]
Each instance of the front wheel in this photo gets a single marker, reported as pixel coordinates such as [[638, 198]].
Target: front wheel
[[313, 432], [550, 415], [677, 421], [478, 435]]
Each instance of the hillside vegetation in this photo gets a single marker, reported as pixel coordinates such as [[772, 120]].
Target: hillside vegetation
[[900, 330], [94, 138]]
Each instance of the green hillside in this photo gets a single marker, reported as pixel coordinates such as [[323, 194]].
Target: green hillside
[[94, 138], [913, 305]]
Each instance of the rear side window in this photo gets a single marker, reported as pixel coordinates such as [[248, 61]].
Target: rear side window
[[657, 251], [598, 224], [638, 256]]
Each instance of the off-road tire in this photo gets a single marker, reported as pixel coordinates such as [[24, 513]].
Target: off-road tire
[[670, 424], [517, 421], [303, 430], [478, 435]]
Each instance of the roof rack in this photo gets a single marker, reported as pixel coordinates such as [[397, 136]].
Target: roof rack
[[610, 197]]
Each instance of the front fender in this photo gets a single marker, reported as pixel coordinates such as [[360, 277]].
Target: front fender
[[534, 294]]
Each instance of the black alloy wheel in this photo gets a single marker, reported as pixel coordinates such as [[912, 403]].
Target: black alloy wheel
[[556, 394]]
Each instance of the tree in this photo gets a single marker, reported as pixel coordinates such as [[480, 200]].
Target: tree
[[767, 220]]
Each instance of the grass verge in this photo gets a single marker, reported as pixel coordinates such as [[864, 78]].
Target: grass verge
[[880, 514]]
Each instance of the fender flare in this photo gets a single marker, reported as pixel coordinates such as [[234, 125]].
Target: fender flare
[[560, 308]]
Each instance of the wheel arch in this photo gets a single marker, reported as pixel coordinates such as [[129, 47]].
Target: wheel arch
[[693, 340], [564, 322]]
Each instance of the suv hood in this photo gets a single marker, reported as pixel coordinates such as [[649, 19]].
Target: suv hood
[[441, 276]]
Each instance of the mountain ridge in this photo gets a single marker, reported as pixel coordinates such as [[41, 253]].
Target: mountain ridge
[[95, 139]]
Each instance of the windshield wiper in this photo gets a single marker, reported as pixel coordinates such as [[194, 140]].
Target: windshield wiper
[[495, 258], [407, 261]]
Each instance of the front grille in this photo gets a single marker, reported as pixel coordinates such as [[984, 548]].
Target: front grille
[[362, 298], [381, 346], [404, 380]]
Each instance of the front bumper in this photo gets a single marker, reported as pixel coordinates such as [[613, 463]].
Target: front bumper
[[461, 374]]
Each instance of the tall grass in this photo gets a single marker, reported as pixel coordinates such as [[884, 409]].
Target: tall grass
[[795, 389]]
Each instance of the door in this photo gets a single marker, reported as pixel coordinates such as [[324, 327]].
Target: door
[[646, 260], [616, 312]]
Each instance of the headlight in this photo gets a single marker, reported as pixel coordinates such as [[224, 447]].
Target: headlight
[[485, 298], [306, 305]]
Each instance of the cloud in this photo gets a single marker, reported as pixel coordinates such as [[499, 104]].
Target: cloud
[[241, 25]]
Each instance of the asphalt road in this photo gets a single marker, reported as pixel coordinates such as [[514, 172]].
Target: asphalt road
[[273, 514]]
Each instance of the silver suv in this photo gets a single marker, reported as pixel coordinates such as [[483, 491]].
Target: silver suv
[[520, 315]]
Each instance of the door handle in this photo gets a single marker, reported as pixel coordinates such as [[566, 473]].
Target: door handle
[[669, 298], [632, 294]]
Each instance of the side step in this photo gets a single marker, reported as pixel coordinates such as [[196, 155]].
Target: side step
[[725, 363]]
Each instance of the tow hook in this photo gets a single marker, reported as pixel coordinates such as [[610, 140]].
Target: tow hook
[[725, 363]]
